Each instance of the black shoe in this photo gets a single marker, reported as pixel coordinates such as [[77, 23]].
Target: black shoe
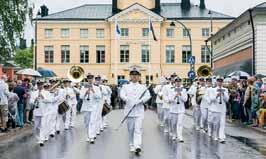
[[92, 142], [5, 130], [52, 135], [94, 138], [138, 151], [58, 132], [41, 144]]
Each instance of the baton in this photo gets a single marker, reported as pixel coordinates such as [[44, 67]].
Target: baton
[[124, 119]]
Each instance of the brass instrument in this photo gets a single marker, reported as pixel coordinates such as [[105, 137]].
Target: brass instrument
[[76, 74], [204, 71], [221, 91], [178, 90], [199, 94], [37, 100]]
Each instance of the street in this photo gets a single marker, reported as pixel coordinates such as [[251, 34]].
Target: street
[[113, 144]]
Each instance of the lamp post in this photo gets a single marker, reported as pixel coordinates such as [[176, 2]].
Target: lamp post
[[206, 41], [172, 24]]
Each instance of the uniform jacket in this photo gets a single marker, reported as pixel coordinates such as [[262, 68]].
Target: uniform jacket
[[130, 93], [158, 91], [43, 103], [90, 102], [171, 98], [215, 101]]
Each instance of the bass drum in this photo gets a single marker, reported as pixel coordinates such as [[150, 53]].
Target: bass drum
[[63, 108], [106, 109]]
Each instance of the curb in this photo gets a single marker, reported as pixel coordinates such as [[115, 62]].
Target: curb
[[259, 130]]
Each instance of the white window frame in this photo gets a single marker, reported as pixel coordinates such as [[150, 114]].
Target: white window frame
[[65, 51], [49, 51], [48, 33], [100, 59], [84, 49], [170, 54], [99, 33], [145, 53], [65, 33], [170, 32], [84, 33]]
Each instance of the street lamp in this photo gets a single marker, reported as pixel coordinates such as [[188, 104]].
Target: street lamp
[[206, 41]]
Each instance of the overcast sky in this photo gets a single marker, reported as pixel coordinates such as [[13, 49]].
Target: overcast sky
[[229, 7]]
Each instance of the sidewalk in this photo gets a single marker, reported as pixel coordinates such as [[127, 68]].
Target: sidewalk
[[15, 135], [189, 112]]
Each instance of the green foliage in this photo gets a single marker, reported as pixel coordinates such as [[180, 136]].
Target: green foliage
[[13, 15], [24, 58]]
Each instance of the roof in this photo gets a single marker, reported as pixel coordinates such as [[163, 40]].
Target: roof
[[244, 16], [103, 11], [174, 11]]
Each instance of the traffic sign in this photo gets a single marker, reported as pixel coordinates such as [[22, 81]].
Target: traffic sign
[[192, 60], [191, 74]]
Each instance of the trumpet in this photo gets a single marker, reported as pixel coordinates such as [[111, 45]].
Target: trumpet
[[88, 91], [178, 90], [221, 91]]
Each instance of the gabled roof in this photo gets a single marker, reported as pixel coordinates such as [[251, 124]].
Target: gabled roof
[[103, 11], [138, 7]]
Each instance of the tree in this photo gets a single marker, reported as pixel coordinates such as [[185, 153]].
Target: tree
[[24, 58], [13, 15]]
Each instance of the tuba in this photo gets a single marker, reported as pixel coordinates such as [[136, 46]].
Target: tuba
[[76, 74], [204, 71]]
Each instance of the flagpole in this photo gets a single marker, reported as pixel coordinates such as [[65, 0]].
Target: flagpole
[[116, 48], [149, 65]]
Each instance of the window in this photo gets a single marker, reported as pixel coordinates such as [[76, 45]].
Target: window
[[84, 33], [205, 54], [124, 53], [170, 54], [124, 32], [65, 54], [186, 53], [100, 33], [185, 32], [145, 53], [170, 33], [64, 33], [149, 79], [48, 54], [84, 54], [145, 32], [100, 54], [48, 33], [205, 32]]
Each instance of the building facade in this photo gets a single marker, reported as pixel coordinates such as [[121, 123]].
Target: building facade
[[87, 36], [241, 45]]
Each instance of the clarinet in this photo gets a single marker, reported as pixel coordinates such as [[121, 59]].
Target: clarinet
[[89, 89], [178, 90]]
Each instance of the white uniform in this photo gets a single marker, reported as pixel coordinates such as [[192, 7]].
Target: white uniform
[[196, 109], [89, 107], [40, 127], [158, 91], [71, 100], [177, 111], [60, 97], [166, 107], [131, 94], [99, 119], [204, 105], [218, 111], [107, 98]]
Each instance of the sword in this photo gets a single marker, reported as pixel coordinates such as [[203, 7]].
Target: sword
[[124, 119]]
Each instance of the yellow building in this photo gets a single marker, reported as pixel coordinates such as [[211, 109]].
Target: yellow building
[[87, 36]]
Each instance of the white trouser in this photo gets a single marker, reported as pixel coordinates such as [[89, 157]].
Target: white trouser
[[70, 116], [52, 123], [204, 118], [59, 122], [39, 128], [166, 120], [222, 126], [196, 115], [48, 124], [210, 123], [99, 119], [89, 120], [215, 121], [134, 125], [160, 111], [177, 125]]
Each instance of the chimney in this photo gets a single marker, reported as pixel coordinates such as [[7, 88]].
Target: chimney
[[114, 7], [202, 4], [157, 8], [44, 11], [185, 4]]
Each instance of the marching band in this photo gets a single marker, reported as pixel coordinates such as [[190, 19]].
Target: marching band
[[55, 107]]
